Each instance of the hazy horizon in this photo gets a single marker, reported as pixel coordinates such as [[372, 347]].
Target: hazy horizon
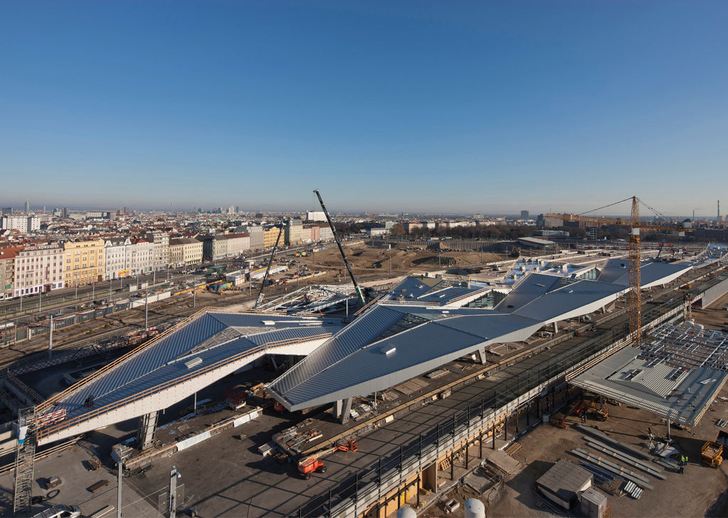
[[430, 107]]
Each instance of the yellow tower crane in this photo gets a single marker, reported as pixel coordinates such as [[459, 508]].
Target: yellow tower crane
[[635, 259]]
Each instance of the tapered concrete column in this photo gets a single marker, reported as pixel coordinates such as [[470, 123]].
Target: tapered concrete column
[[481, 356], [346, 411], [145, 430]]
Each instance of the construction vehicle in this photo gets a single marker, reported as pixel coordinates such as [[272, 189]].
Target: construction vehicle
[[218, 287], [600, 413], [314, 463], [712, 452], [357, 289]]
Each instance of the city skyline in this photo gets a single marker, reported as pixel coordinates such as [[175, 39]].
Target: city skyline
[[426, 107]]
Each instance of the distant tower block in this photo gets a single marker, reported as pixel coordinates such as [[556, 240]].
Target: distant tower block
[[718, 218]]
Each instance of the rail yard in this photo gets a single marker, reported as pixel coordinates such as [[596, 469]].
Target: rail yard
[[465, 428]]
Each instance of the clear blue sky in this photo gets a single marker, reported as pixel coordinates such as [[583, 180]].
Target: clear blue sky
[[392, 105]]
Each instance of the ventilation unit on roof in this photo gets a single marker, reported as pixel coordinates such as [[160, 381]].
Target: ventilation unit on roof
[[194, 362], [269, 322], [389, 350]]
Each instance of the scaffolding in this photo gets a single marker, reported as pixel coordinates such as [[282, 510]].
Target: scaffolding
[[24, 461], [312, 299]]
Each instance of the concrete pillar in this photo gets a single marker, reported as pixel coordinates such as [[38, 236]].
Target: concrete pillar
[[337, 408], [556, 328], [481, 356], [346, 411], [429, 477], [145, 430]]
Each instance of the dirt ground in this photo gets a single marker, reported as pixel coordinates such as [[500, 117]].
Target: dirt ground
[[713, 317], [693, 494], [701, 491], [368, 261]]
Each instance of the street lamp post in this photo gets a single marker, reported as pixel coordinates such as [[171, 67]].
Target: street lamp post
[[50, 339], [146, 311]]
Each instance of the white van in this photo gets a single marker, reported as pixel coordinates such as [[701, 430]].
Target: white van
[[60, 511]]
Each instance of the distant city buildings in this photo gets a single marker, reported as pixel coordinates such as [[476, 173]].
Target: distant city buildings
[[68, 248], [23, 224], [313, 215]]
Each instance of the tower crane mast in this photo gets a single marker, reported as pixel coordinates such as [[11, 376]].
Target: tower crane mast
[[635, 259]]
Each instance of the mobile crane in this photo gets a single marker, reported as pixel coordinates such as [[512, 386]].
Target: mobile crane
[[358, 290], [267, 270]]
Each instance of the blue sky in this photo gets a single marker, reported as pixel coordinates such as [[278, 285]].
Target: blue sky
[[423, 106]]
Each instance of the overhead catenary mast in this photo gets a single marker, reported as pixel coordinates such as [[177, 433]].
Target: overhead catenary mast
[[359, 293]]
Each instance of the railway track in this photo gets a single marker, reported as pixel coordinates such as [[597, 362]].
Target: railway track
[[90, 333]]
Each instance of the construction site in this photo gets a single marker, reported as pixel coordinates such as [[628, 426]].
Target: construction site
[[585, 384]]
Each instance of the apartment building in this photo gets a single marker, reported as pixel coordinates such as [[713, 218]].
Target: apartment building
[[140, 257], [270, 235], [7, 271], [185, 251], [84, 262], [160, 240], [295, 233], [23, 224], [116, 264], [256, 236], [237, 244], [38, 269]]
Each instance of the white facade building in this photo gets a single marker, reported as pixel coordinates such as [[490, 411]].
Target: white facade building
[[237, 244], [38, 269], [23, 224], [161, 249], [140, 257], [115, 251]]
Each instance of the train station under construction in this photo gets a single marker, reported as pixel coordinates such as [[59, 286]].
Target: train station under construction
[[567, 323]]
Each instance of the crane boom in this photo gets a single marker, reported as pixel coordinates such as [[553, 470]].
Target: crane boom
[[265, 277], [635, 260], [359, 293]]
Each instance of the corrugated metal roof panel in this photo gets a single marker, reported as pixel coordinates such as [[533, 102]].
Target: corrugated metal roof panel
[[526, 291], [367, 365], [356, 335], [560, 302]]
